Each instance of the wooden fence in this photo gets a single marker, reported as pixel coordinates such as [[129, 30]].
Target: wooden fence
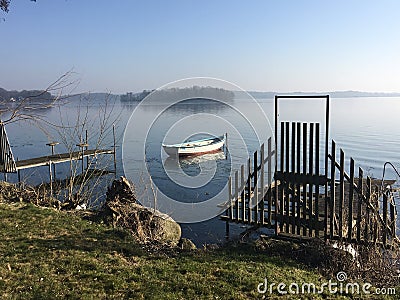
[[299, 201]]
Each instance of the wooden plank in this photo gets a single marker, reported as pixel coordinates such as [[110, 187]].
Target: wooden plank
[[385, 218], [359, 204], [367, 228], [242, 196], [230, 198], [293, 170], [236, 196], [269, 175], [304, 172], [287, 147], [317, 172], [286, 195], [341, 193], [332, 193], [255, 180], [249, 190], [311, 185], [298, 197], [280, 198], [59, 158], [392, 216], [262, 185], [350, 204]]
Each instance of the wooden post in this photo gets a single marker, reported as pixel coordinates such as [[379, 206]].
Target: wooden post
[[341, 193], [298, 197], [19, 174], [280, 198], [304, 172], [243, 192], [351, 197], [51, 179], [114, 152], [359, 203], [392, 215], [293, 170], [87, 143], [332, 210], [385, 218], [367, 228], [236, 195], [249, 218], [230, 197], [311, 185], [269, 172], [255, 193], [262, 185], [317, 172]]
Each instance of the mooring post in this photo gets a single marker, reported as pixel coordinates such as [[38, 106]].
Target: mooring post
[[52, 144], [87, 143], [19, 174], [115, 153], [83, 146], [51, 178], [227, 230]]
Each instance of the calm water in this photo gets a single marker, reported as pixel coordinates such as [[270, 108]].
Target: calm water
[[366, 128]]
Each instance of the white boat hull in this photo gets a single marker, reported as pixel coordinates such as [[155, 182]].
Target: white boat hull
[[195, 147]]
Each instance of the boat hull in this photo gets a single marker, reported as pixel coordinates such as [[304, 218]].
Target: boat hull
[[195, 147]]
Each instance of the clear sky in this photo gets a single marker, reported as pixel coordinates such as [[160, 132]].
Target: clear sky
[[127, 45]]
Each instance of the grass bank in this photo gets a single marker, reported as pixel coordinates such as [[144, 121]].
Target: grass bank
[[49, 254]]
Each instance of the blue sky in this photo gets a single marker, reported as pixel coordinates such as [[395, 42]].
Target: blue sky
[[128, 45]]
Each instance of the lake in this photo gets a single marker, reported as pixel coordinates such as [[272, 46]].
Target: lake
[[366, 128]]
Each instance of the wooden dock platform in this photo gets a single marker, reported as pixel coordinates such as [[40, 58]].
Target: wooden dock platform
[[59, 158]]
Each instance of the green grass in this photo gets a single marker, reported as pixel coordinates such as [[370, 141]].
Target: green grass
[[47, 254]]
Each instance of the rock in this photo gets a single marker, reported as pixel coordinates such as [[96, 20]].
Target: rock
[[186, 244], [145, 224]]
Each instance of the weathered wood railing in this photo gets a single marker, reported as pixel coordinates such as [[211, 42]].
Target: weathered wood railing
[[352, 209], [250, 197], [358, 210]]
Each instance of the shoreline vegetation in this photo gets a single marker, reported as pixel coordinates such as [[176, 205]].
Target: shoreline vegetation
[[48, 253]]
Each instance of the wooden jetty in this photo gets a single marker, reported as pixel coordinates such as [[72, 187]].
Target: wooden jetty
[[285, 188], [9, 165], [59, 158]]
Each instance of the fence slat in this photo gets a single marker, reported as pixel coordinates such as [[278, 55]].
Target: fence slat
[[359, 203], [243, 192], [230, 197], [317, 186], [311, 185], [298, 196], [249, 190], [304, 172], [351, 197], [255, 191], [236, 195], [269, 172], [385, 218], [341, 193], [368, 228], [293, 170], [262, 185], [332, 203]]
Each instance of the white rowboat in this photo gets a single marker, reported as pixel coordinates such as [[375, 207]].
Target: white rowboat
[[195, 147]]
